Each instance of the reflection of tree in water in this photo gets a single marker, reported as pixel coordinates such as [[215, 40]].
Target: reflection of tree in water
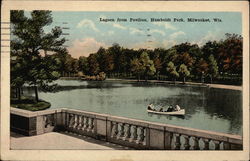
[[225, 104], [90, 85]]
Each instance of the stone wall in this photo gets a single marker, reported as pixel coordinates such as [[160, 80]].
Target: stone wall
[[133, 133]]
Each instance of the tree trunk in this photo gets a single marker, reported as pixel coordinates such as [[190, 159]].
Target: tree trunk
[[36, 93], [16, 95], [184, 78], [19, 93], [211, 79]]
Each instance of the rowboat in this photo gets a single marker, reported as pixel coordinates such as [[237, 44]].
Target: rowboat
[[180, 112]]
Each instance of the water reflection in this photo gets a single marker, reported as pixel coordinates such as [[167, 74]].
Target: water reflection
[[166, 116], [206, 108]]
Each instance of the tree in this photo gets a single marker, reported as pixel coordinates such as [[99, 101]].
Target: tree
[[83, 64], [171, 69], [115, 51], [137, 67], [184, 72], [148, 65], [16, 79], [93, 65], [108, 62], [202, 68], [158, 66], [213, 67], [230, 54], [61, 57], [29, 40], [100, 54]]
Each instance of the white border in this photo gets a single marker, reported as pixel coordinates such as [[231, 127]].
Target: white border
[[230, 6]]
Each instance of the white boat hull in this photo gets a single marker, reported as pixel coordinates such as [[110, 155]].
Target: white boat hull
[[181, 112]]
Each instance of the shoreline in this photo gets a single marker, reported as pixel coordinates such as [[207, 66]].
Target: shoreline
[[220, 86]]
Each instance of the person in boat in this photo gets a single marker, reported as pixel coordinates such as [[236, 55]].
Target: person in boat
[[177, 108], [170, 109], [151, 107]]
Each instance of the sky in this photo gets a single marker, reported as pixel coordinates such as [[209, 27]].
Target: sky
[[87, 33]]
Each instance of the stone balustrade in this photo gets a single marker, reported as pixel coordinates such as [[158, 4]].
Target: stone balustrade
[[124, 131]]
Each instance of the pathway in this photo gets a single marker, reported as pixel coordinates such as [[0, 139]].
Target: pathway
[[58, 141]]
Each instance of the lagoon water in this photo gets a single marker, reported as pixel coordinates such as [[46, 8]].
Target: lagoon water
[[211, 109]]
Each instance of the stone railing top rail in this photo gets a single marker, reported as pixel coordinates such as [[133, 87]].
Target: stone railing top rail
[[235, 139], [27, 113]]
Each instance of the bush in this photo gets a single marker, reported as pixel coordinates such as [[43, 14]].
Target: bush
[[100, 77]]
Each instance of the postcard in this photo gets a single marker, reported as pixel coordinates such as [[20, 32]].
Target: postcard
[[118, 80]]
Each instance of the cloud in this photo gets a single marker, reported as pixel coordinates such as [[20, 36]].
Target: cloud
[[210, 36], [166, 25], [169, 43], [135, 30], [157, 31], [177, 34], [108, 33], [153, 44], [84, 47], [119, 26], [86, 23]]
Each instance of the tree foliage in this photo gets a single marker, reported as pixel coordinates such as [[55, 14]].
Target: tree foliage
[[184, 72], [28, 42], [171, 69], [214, 59]]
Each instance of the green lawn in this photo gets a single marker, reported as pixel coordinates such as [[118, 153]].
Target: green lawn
[[29, 103]]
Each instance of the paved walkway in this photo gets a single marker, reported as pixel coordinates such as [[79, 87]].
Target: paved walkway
[[57, 141]]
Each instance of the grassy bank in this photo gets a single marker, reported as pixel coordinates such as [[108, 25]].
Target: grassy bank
[[29, 103]]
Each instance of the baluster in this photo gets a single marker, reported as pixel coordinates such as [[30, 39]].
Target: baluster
[[83, 123], [196, 143], [67, 120], [142, 136], [71, 120], [217, 144], [112, 129], [115, 129], [206, 143], [186, 144], [75, 121], [86, 123], [79, 122], [122, 130], [135, 133], [91, 124], [177, 142], [128, 132]]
